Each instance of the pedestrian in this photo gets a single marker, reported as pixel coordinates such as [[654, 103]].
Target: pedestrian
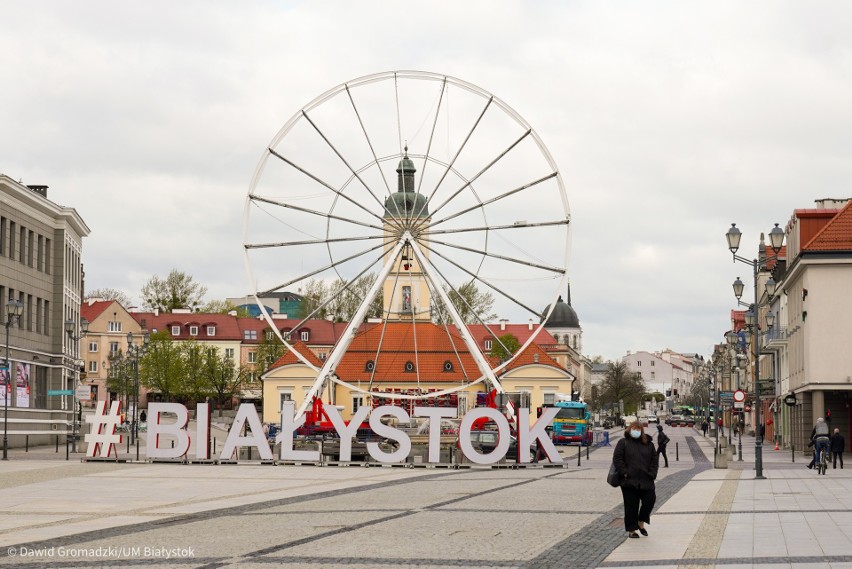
[[704, 427], [762, 432], [838, 444], [635, 460], [662, 440], [721, 426], [143, 417]]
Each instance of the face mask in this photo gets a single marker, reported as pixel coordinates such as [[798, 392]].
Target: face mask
[[635, 434]]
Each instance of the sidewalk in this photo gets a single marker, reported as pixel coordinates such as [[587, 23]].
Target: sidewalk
[[726, 517]]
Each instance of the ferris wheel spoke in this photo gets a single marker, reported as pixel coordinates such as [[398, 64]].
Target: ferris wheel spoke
[[432, 134], [458, 152], [516, 225], [313, 212], [485, 253], [321, 270], [342, 159], [324, 183], [482, 171], [322, 241], [480, 279], [367, 137], [495, 199]]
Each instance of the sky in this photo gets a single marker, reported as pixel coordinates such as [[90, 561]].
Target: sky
[[668, 122]]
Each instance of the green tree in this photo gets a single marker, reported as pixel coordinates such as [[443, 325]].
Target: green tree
[[223, 377], [161, 369], [110, 294], [313, 293], [269, 349], [224, 307], [473, 306], [339, 301], [178, 290], [505, 347], [194, 383], [620, 384]]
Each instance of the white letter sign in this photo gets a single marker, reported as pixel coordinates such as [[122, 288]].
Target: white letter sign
[[176, 429]]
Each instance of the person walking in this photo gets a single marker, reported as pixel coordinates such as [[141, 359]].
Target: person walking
[[838, 444], [721, 426], [662, 440], [636, 462], [704, 427]]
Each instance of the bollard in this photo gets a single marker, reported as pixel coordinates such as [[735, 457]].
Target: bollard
[[249, 452], [27, 443], [214, 445], [677, 451], [793, 450], [173, 444], [587, 452], [579, 453], [57, 444]]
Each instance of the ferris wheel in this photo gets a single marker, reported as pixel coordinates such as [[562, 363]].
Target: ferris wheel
[[401, 199]]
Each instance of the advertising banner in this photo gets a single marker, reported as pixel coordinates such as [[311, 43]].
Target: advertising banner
[[23, 374], [4, 380]]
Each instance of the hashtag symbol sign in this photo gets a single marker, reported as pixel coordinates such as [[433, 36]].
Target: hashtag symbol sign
[[103, 438]]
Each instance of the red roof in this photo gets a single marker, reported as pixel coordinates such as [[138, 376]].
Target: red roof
[[836, 235], [522, 332], [289, 358], [226, 325], [91, 309]]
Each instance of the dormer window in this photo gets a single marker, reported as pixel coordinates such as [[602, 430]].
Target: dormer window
[[175, 330], [488, 344], [409, 367], [305, 335], [371, 365], [211, 330], [249, 334], [448, 366], [193, 330]]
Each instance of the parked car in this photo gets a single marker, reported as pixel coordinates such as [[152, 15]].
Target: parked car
[[486, 441], [608, 422], [674, 420], [653, 419]]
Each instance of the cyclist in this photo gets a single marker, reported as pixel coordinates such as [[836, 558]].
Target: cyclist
[[820, 438]]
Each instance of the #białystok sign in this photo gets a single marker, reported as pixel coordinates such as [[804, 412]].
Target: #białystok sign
[[103, 438]]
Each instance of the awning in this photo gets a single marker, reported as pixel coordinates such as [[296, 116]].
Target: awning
[[251, 394]]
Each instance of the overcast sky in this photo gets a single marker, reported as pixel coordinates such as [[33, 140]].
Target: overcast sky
[[668, 121]]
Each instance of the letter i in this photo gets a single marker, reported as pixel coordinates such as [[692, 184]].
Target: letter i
[[202, 418]]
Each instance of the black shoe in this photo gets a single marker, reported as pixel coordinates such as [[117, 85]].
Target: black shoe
[[633, 534], [810, 467], [643, 531]]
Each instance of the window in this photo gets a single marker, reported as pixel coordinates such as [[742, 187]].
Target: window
[[652, 363], [249, 334], [93, 346], [357, 402], [448, 366], [322, 356], [305, 335], [409, 366], [113, 347], [639, 364], [193, 330], [549, 398], [284, 396], [113, 326], [268, 334], [175, 330], [93, 366], [488, 344], [252, 357], [406, 299], [229, 353], [371, 365], [211, 330]]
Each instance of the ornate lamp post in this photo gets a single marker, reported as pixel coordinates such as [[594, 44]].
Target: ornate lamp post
[[74, 335], [776, 241], [134, 353], [13, 313]]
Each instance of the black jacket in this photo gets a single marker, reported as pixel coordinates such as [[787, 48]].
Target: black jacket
[[636, 462], [838, 444]]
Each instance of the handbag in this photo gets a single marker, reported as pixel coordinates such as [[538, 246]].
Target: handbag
[[613, 479]]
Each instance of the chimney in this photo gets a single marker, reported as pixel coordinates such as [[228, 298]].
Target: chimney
[[503, 324], [530, 325], [156, 311], [40, 190]]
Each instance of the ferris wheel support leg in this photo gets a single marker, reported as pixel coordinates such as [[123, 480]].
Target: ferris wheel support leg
[[339, 350], [457, 319]]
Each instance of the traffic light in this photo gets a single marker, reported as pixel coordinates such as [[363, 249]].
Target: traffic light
[[668, 392]]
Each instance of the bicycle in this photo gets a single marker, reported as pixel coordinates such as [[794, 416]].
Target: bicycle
[[822, 461]]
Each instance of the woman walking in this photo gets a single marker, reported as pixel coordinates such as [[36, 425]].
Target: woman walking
[[636, 461]]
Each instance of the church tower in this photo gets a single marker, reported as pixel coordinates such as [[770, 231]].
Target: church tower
[[405, 292]]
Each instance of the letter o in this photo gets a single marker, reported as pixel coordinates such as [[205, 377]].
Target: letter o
[[502, 428]]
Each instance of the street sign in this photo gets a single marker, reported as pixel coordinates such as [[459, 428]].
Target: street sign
[[790, 400], [60, 392], [739, 396], [726, 396], [739, 404], [83, 393]]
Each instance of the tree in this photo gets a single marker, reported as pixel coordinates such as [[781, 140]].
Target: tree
[[224, 307], [178, 290], [222, 376], [313, 293], [269, 349], [505, 347], [110, 294], [343, 301], [161, 369], [194, 385], [620, 384], [472, 305]]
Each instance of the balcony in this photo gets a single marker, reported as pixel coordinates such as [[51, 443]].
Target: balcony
[[775, 339]]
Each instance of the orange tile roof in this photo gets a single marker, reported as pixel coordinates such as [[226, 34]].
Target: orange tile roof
[[226, 325], [92, 309], [836, 235], [289, 358]]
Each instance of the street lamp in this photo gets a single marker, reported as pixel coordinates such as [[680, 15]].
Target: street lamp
[[134, 353], [71, 331], [776, 241], [13, 314]]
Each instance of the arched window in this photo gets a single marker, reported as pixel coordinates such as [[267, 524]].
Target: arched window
[[409, 366], [448, 366], [370, 366]]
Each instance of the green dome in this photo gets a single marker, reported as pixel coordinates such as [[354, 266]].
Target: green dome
[[406, 204]]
